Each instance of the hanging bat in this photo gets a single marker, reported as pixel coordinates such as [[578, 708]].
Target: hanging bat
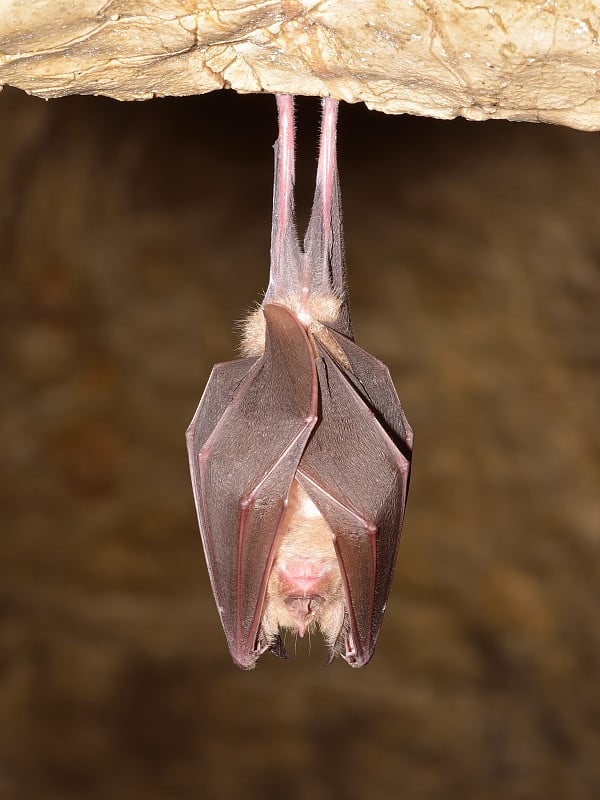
[[300, 451]]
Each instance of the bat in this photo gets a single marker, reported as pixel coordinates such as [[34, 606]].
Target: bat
[[300, 451]]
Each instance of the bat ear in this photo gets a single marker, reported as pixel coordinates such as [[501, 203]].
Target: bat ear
[[278, 648]]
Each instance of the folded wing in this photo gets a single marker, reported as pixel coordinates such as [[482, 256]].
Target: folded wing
[[244, 445], [356, 469]]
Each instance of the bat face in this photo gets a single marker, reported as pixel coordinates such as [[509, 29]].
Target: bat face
[[300, 451], [305, 588]]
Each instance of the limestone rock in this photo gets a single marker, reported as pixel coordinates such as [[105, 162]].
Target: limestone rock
[[506, 59]]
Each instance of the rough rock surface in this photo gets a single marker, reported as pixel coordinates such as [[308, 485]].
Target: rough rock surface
[[443, 58]]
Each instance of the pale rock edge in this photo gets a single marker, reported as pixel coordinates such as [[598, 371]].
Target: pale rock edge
[[508, 59]]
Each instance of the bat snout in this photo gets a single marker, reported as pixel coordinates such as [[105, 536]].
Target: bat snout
[[303, 610], [302, 577], [306, 604]]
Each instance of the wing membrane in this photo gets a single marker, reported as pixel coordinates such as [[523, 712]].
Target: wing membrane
[[243, 470], [357, 477]]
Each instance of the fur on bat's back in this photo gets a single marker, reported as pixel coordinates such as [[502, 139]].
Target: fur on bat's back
[[313, 314]]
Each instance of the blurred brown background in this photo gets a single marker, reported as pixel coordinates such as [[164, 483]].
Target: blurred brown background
[[131, 237]]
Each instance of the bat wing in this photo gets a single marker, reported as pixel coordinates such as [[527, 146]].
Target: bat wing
[[244, 451], [372, 380], [356, 469]]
